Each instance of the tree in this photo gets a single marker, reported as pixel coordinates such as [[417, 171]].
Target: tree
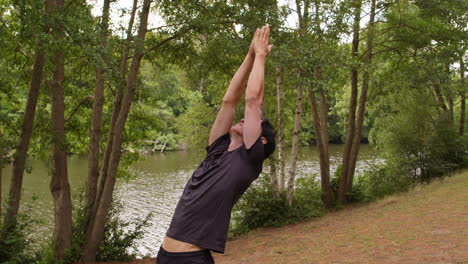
[[320, 114], [96, 123], [281, 144], [59, 185], [303, 14], [461, 127], [26, 132], [95, 236], [356, 141], [352, 103]]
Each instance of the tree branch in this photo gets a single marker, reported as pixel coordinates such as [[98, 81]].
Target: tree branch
[[89, 97]]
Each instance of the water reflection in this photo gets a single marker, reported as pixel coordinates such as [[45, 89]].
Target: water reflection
[[157, 187]]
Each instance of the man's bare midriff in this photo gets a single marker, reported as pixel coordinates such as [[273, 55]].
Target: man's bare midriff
[[173, 245]]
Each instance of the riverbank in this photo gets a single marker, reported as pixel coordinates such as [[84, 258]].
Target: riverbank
[[426, 225]]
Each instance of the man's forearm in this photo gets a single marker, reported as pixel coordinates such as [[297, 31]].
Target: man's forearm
[[256, 81], [236, 87]]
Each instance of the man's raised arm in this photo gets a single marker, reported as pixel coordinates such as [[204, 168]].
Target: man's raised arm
[[231, 98], [255, 86]]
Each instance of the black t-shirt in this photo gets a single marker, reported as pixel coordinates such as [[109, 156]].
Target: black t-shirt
[[204, 210]]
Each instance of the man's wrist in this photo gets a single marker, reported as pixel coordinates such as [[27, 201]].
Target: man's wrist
[[260, 55], [251, 54]]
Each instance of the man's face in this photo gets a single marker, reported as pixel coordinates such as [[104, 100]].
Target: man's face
[[238, 128]]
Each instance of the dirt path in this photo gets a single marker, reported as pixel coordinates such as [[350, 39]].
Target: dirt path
[[427, 225]]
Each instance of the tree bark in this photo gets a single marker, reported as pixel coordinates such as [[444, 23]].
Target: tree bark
[[451, 110], [352, 105], [96, 122], [274, 176], [320, 121], [295, 144], [327, 194], [281, 158], [92, 243], [440, 96], [59, 186], [20, 155], [362, 100], [461, 127], [117, 105]]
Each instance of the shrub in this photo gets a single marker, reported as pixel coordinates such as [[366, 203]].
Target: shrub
[[261, 207], [15, 244], [357, 192], [420, 138], [382, 180], [120, 236]]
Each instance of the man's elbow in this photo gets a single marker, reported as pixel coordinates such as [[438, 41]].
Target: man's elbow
[[228, 102], [253, 101]]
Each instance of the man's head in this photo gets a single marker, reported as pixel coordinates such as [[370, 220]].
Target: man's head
[[268, 135]]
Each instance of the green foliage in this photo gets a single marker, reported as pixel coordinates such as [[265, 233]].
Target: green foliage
[[195, 124], [357, 192], [447, 149], [260, 207], [16, 246], [120, 236], [118, 244], [419, 138], [382, 180]]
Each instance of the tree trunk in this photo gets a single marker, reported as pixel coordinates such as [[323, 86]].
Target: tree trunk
[[281, 158], [23, 144], [362, 100], [59, 186], [295, 144], [96, 123], [449, 97], [273, 176], [117, 105], [461, 128], [96, 235], [320, 120], [352, 105], [303, 14], [327, 194], [451, 111], [440, 96]]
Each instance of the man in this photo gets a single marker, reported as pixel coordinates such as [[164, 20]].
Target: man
[[233, 161]]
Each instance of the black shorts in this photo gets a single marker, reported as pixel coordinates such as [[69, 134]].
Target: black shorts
[[192, 257]]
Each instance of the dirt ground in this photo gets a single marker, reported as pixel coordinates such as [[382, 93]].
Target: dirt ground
[[427, 225]]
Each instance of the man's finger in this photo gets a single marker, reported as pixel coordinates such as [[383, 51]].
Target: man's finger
[[265, 33], [256, 34], [260, 33]]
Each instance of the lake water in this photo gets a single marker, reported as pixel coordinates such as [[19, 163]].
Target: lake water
[[159, 182]]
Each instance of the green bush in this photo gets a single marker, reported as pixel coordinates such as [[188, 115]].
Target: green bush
[[446, 148], [15, 244], [307, 201], [261, 207], [120, 236], [357, 192], [382, 180], [419, 137]]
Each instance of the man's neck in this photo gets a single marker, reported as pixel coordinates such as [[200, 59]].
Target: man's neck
[[236, 142]]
